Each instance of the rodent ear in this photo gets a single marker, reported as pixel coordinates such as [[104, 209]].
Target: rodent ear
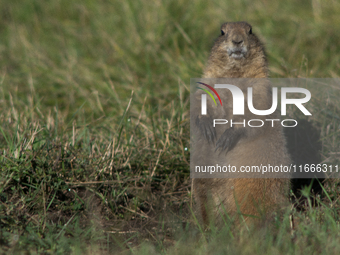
[[224, 26], [250, 31]]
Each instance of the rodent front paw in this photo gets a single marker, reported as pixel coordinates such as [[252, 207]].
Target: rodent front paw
[[229, 139], [205, 124]]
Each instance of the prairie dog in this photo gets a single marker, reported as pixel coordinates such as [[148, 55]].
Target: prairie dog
[[238, 53]]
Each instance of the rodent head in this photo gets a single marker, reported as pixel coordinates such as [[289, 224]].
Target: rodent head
[[237, 52], [236, 39]]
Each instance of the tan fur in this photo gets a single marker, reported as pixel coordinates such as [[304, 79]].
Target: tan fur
[[255, 146]]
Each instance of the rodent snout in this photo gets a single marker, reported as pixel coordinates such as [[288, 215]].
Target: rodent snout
[[238, 51], [237, 41]]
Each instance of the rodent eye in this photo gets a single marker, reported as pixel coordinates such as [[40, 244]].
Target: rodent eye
[[250, 31], [222, 32]]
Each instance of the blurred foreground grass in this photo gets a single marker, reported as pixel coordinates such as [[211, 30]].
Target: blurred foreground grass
[[94, 107]]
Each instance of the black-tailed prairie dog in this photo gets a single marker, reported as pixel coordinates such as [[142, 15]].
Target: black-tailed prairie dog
[[238, 53]]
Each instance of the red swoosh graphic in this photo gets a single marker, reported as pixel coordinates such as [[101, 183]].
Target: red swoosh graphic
[[212, 90]]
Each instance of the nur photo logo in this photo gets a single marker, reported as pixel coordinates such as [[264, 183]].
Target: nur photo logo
[[239, 126], [238, 99]]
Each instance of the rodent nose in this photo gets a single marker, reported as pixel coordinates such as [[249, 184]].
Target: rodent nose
[[237, 42]]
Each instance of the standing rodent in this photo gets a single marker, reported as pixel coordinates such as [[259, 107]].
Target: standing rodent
[[238, 53]]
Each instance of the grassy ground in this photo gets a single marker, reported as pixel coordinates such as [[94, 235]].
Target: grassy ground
[[94, 140]]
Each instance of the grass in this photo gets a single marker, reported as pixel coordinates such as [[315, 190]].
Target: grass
[[94, 137]]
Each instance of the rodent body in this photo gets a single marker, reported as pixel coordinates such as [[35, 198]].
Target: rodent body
[[238, 53]]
